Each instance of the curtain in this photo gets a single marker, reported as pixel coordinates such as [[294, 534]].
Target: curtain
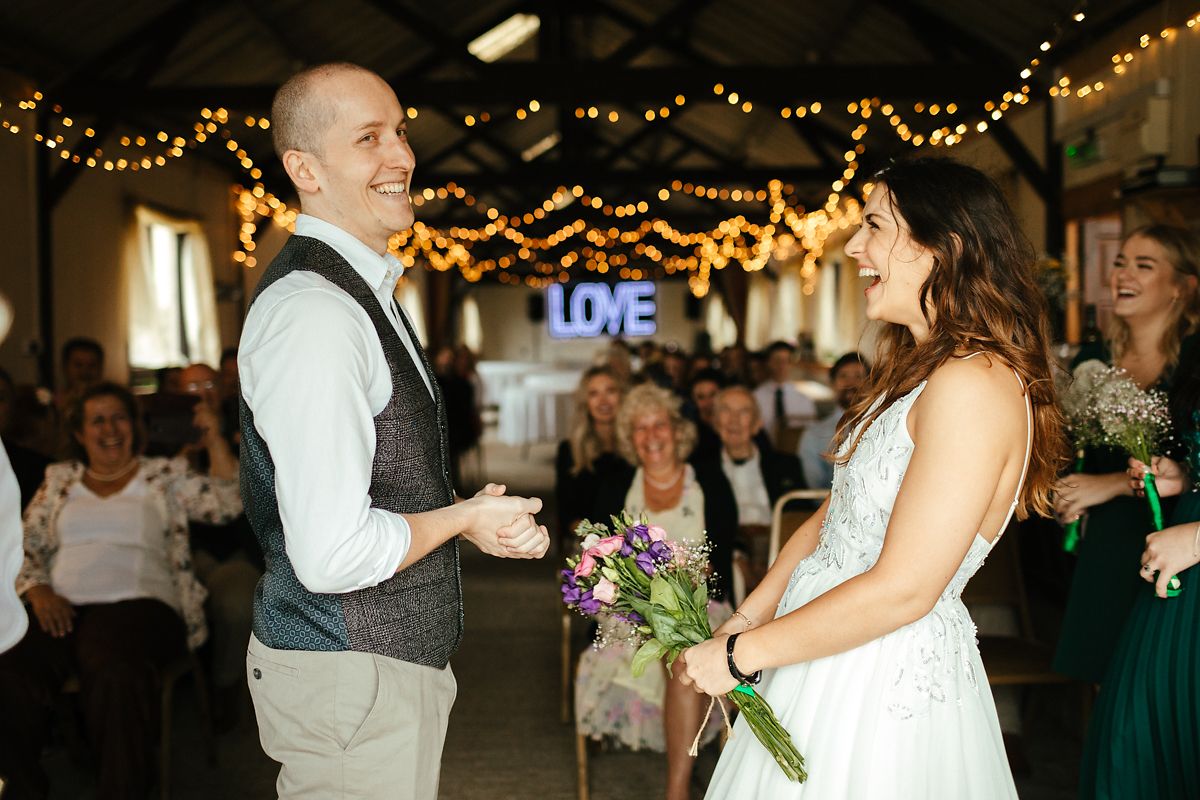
[[408, 296], [786, 317], [172, 301], [470, 326], [719, 324], [757, 331]]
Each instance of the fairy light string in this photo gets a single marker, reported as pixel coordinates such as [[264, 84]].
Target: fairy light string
[[791, 230]]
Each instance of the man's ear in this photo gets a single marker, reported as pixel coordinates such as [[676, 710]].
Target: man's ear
[[300, 168]]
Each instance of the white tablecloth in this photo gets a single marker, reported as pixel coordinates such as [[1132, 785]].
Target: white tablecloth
[[537, 407]]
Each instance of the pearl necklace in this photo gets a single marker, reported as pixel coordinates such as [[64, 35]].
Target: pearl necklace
[[111, 476], [662, 487]]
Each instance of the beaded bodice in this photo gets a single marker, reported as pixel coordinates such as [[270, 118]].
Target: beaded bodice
[[935, 656]]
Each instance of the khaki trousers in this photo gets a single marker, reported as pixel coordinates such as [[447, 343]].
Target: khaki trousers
[[348, 724]]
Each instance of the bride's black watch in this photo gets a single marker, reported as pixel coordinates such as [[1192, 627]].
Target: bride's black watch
[[746, 680]]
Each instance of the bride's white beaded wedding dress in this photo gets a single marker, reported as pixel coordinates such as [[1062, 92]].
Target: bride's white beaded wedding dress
[[908, 715]]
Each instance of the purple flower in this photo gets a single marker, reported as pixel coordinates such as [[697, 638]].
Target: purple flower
[[635, 618], [660, 552], [571, 594], [588, 604], [645, 562], [569, 577], [627, 548], [639, 532]]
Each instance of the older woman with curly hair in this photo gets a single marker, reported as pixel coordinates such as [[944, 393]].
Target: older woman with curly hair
[[689, 501], [112, 598]]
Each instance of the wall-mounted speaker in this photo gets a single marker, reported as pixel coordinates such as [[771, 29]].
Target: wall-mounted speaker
[[536, 310]]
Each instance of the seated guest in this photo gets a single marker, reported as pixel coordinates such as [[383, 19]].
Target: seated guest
[[759, 476], [846, 376], [591, 450], [111, 595], [687, 500], [82, 361], [230, 396], [699, 409], [779, 401], [463, 425], [228, 561], [734, 364]]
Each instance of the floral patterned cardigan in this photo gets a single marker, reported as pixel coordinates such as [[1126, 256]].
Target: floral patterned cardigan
[[180, 493]]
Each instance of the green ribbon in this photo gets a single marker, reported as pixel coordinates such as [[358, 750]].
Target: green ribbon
[[1174, 585], [1071, 534], [744, 689]]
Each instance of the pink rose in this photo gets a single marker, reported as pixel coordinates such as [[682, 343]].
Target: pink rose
[[585, 566], [605, 547], [655, 533], [605, 591]]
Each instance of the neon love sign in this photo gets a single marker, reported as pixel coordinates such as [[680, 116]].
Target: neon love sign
[[625, 308]]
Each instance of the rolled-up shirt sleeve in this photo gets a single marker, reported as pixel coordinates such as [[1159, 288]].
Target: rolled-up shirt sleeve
[[306, 374]]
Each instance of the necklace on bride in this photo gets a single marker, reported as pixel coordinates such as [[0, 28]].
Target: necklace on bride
[[109, 477], [662, 486]]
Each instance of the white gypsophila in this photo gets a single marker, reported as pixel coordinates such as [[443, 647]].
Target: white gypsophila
[[1078, 402], [1135, 421]]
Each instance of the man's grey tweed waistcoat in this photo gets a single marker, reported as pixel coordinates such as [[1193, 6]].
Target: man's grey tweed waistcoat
[[416, 615]]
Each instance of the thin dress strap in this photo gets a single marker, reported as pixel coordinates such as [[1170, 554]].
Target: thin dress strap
[[1012, 509], [1028, 452]]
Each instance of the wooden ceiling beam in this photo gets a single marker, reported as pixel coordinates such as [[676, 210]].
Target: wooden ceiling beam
[[506, 83]]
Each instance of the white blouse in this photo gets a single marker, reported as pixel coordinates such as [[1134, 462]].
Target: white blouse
[[111, 548]]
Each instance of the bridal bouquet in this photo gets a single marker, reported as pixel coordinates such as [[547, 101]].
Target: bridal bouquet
[[1082, 425], [660, 587], [1137, 422]]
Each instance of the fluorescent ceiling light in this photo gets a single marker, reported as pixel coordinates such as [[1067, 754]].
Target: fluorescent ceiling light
[[535, 150], [505, 37]]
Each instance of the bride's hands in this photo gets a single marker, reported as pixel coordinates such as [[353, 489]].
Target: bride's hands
[[705, 668]]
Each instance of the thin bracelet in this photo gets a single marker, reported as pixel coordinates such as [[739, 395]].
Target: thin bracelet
[[749, 624], [1195, 543]]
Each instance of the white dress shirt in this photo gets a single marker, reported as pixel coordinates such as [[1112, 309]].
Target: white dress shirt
[[13, 619], [814, 443], [746, 478], [313, 372], [798, 406]]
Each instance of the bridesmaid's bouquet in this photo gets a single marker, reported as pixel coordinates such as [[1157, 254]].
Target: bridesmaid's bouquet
[[1139, 423], [660, 587], [1082, 425]]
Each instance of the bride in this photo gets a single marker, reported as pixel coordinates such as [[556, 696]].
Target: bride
[[858, 635]]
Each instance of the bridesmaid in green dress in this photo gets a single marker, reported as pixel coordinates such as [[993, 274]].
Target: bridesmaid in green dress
[[1154, 310], [1144, 739]]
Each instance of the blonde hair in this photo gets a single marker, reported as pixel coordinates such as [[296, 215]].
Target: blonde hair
[[648, 398], [1182, 248], [583, 440]]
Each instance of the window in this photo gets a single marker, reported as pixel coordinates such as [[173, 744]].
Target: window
[[172, 304]]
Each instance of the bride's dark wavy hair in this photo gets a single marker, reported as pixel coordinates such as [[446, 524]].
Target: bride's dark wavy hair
[[979, 296]]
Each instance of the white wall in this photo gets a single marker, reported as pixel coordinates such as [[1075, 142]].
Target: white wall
[[88, 229]]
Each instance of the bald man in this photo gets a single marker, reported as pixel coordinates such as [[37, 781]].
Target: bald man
[[345, 472]]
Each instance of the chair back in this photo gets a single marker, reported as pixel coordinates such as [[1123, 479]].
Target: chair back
[[1000, 582], [784, 523]]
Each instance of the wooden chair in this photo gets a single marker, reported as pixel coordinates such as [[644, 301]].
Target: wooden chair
[[1010, 660], [189, 664], [181, 667], [1019, 660], [788, 521]]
